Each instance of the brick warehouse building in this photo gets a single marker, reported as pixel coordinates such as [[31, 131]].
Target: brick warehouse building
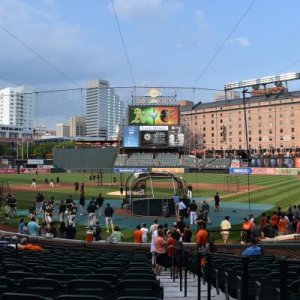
[[272, 120]]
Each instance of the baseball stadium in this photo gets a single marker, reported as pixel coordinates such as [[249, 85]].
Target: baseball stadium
[[165, 210]]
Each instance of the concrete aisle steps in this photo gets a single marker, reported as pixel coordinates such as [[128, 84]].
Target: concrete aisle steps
[[172, 289]]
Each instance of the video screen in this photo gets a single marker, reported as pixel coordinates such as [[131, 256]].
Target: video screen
[[176, 136], [154, 138], [153, 115], [131, 137]]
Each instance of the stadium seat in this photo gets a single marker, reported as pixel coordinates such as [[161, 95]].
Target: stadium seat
[[112, 279], [79, 297], [7, 285], [44, 269], [22, 296], [41, 286], [294, 290], [99, 288]]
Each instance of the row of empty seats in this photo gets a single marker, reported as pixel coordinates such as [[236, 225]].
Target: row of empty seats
[[58, 273], [170, 160]]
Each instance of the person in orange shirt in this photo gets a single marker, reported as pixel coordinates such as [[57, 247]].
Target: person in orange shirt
[[29, 246], [274, 219], [202, 236], [160, 251], [246, 231], [137, 235], [282, 226]]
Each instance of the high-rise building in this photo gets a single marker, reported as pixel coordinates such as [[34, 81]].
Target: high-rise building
[[104, 110], [16, 107], [63, 130], [77, 126]]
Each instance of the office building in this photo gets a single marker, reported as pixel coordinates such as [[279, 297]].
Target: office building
[[62, 130], [16, 107], [273, 123], [77, 126], [104, 110]]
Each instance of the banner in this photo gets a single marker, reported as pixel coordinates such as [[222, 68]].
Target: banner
[[8, 171], [240, 171], [176, 136], [235, 163], [34, 170], [264, 171], [130, 170], [170, 170], [35, 161]]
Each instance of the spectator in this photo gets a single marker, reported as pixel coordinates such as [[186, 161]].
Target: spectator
[[180, 225], [52, 229], [255, 232], [192, 210], [70, 231], [181, 208], [246, 231], [99, 203], [269, 230], [217, 202], [92, 208], [253, 249], [62, 211], [282, 225], [76, 186], [190, 191], [97, 231], [62, 229], [176, 201], [25, 229], [33, 227], [43, 229], [187, 234], [81, 203], [160, 249], [137, 235], [21, 225], [145, 233], [12, 206], [202, 240], [117, 235], [153, 230], [225, 227], [108, 212], [29, 246]]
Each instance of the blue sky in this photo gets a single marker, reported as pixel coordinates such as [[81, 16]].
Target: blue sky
[[169, 42]]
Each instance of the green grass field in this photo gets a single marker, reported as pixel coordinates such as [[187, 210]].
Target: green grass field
[[276, 190]]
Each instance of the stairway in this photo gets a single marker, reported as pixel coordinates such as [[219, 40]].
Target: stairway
[[172, 289]]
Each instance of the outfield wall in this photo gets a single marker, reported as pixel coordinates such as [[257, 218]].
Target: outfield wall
[[264, 171], [84, 158]]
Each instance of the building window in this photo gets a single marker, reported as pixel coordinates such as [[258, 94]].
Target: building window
[[293, 129], [259, 139], [212, 115], [270, 131], [281, 138], [259, 131], [259, 117], [212, 121], [221, 121], [281, 123], [293, 137], [212, 129], [281, 130], [292, 122], [212, 135], [281, 115], [204, 128], [292, 114]]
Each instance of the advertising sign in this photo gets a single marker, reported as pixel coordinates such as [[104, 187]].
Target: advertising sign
[[35, 161], [273, 162], [8, 171], [240, 171], [131, 137], [176, 136], [153, 115], [130, 170], [235, 163], [33, 170], [264, 171], [156, 139], [170, 170]]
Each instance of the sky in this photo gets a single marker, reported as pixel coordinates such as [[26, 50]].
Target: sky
[[183, 43]]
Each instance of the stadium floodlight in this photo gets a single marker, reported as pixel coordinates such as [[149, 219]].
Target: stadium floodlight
[[263, 80]]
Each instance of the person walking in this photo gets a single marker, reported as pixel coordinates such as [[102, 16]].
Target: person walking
[[217, 202], [99, 203], [33, 183], [225, 226], [108, 213], [193, 212]]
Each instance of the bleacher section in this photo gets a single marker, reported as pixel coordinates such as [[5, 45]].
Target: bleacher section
[[64, 273], [167, 160], [140, 160]]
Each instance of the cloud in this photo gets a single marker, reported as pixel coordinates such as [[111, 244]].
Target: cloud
[[203, 27], [239, 41], [145, 11], [38, 25]]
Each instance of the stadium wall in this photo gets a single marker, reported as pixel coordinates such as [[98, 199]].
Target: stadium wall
[[84, 158]]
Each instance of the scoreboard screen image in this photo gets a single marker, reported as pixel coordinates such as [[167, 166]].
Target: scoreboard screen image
[[153, 115]]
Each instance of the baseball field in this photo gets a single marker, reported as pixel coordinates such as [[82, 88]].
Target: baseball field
[[251, 190]]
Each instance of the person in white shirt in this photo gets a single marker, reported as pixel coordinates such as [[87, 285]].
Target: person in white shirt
[[145, 233], [225, 226]]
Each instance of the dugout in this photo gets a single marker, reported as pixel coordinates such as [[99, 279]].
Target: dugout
[[150, 193]]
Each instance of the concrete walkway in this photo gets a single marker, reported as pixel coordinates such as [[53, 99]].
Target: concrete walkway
[[172, 289]]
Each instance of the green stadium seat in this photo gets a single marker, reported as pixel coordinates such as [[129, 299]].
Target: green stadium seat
[[22, 296]]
